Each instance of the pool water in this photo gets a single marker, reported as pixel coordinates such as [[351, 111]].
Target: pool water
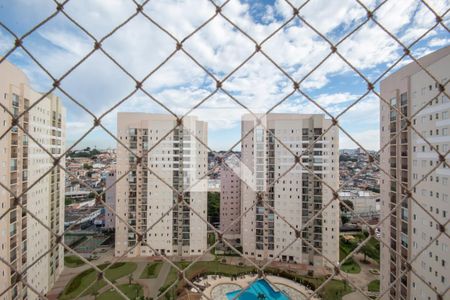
[[256, 290]]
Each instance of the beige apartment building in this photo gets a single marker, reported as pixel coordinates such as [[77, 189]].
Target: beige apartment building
[[145, 198], [230, 202], [110, 200], [410, 230], [297, 196], [23, 241]]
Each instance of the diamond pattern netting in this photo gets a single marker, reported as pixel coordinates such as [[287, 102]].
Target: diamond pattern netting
[[218, 12]]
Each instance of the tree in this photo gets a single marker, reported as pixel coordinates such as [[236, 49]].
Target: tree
[[344, 219], [348, 203], [344, 210], [214, 207], [365, 249], [87, 166], [67, 201]]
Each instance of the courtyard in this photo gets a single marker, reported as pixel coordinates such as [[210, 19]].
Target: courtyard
[[145, 278]]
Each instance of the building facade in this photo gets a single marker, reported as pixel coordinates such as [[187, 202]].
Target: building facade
[[366, 204], [110, 200], [297, 195], [25, 242], [230, 203], [412, 228], [147, 199]]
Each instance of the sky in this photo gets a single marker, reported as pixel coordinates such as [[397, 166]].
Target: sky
[[140, 46]]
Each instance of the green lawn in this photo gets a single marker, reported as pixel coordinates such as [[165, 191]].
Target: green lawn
[[173, 275], [73, 261], [211, 241], [216, 267], [350, 266], [151, 270], [374, 286], [132, 291], [333, 290], [78, 284]]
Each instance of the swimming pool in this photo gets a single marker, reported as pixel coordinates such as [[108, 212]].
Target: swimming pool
[[257, 290]]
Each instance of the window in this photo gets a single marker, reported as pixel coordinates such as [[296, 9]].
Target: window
[[15, 100], [259, 135], [403, 98]]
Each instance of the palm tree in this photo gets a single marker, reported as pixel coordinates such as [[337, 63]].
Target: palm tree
[[365, 249]]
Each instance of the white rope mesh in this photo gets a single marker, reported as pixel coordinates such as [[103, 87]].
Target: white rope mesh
[[218, 11]]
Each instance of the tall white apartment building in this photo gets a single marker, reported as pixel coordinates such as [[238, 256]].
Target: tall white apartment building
[[23, 241], [410, 229], [297, 196], [145, 199]]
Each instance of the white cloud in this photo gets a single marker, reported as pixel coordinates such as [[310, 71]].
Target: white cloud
[[438, 42], [140, 46], [6, 42]]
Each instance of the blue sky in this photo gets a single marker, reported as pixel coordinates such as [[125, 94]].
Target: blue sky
[[139, 46]]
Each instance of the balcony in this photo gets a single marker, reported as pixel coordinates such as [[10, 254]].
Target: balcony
[[404, 253], [13, 216], [14, 140], [12, 243], [15, 102], [393, 233], [13, 256], [393, 269], [393, 246]]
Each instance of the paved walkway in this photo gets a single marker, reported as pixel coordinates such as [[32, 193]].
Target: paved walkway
[[69, 273], [124, 280], [150, 286], [363, 278], [154, 284], [354, 296]]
